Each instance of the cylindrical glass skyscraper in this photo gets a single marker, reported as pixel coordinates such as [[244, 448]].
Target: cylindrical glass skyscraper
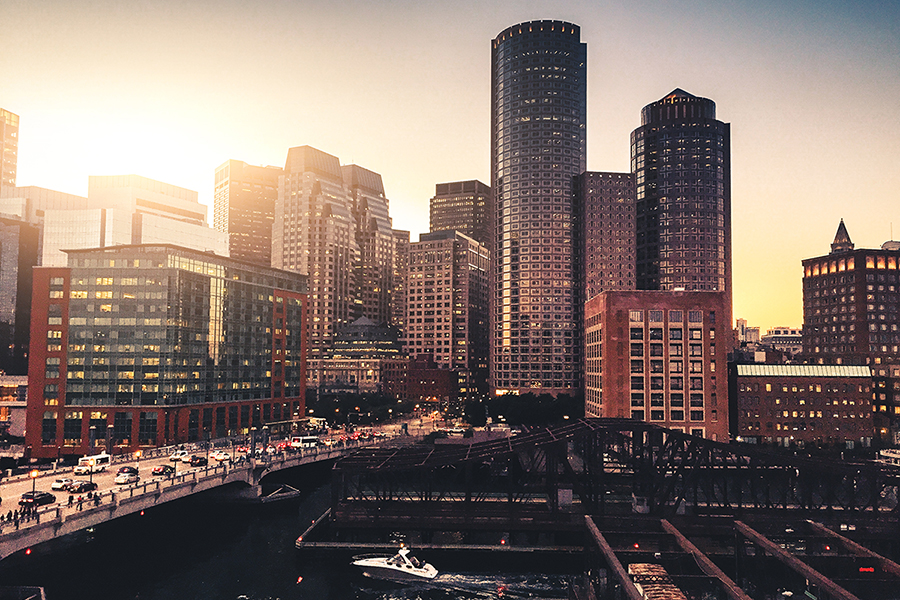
[[538, 131]]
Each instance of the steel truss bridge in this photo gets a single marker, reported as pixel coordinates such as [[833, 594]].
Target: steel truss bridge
[[735, 518]]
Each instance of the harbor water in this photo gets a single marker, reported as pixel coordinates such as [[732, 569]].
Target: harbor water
[[199, 549]]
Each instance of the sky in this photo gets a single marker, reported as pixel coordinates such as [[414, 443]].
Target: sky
[[171, 89]]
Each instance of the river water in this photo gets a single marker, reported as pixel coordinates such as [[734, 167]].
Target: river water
[[197, 549]]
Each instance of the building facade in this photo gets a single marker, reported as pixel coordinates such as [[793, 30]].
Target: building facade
[[9, 148], [375, 239], [127, 210], [462, 206], [851, 316], [796, 405], [447, 307], [315, 234], [244, 206], [785, 339], [681, 160], [150, 345], [538, 143], [398, 295], [659, 357], [18, 256], [604, 209]]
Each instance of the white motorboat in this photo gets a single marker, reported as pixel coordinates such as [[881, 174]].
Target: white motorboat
[[401, 567]]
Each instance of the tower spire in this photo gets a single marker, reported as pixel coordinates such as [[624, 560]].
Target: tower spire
[[841, 241]]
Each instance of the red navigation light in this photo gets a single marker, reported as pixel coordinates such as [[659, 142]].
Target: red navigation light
[[28, 552], [867, 569], [636, 546]]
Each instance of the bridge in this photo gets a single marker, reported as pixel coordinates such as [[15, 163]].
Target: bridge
[[60, 519], [734, 520]]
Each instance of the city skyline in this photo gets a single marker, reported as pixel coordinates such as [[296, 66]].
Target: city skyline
[[171, 91]]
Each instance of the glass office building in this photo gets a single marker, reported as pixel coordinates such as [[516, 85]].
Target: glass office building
[[148, 345]]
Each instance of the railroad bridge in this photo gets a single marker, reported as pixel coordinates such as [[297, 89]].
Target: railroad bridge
[[733, 518]]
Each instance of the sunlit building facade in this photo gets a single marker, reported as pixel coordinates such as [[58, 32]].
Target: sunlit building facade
[[150, 345], [125, 210], [538, 130], [244, 205], [375, 239], [447, 312], [462, 206], [9, 148], [681, 160], [315, 234]]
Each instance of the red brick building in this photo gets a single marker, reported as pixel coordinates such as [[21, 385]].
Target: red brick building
[[660, 357], [802, 404]]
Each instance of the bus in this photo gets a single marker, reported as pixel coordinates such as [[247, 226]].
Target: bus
[[93, 464], [304, 441]]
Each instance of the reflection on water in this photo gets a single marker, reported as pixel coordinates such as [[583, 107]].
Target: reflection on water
[[203, 550]]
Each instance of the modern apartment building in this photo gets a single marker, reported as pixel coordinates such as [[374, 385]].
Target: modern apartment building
[[447, 306], [244, 206], [149, 345], [538, 143], [605, 217], [850, 317], [681, 160], [660, 357], [462, 206], [9, 148], [126, 210]]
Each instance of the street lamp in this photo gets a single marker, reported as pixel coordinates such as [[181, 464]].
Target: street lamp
[[91, 471], [34, 474], [137, 456]]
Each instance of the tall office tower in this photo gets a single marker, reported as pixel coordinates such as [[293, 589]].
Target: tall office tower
[[538, 121], [375, 238], [604, 205], [9, 148], [681, 160], [315, 234], [462, 206], [18, 256], [129, 209], [447, 313], [398, 292], [243, 208], [850, 316]]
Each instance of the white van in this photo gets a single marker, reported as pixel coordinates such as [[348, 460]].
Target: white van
[[93, 464], [304, 441]]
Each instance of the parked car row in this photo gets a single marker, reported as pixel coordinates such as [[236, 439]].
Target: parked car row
[[73, 486]]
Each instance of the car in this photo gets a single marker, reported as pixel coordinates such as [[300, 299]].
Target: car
[[199, 461], [62, 483], [126, 478], [220, 455], [80, 487], [36, 498], [127, 469], [187, 458], [179, 455], [164, 470]]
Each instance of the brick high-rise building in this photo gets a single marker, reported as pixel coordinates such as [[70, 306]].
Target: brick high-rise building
[[244, 206], [659, 357], [447, 300], [850, 316], [604, 205], [681, 160], [462, 206], [538, 144]]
